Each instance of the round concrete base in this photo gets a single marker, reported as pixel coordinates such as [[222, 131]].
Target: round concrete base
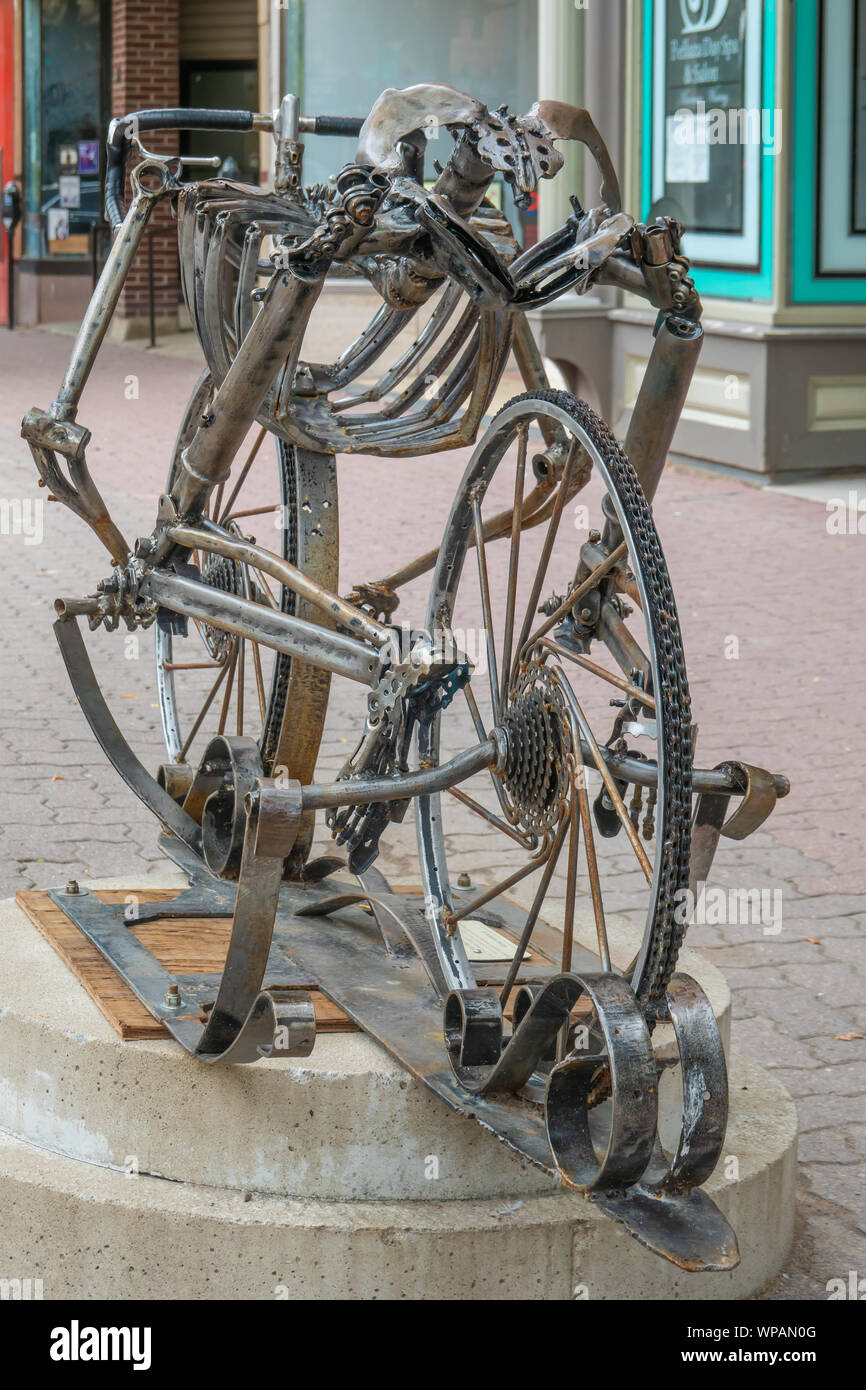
[[128, 1170]]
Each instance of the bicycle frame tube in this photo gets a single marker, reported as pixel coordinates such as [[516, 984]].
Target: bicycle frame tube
[[345, 656], [661, 398], [104, 301], [275, 336]]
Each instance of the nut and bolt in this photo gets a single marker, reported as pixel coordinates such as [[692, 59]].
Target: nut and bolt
[[586, 615], [464, 881], [172, 997], [595, 537], [72, 886]]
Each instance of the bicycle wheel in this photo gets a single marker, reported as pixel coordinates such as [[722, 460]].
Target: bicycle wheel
[[210, 681], [583, 687]]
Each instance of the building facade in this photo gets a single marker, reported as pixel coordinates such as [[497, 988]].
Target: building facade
[[745, 119]]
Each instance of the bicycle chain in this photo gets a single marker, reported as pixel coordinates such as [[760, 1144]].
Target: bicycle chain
[[673, 696]]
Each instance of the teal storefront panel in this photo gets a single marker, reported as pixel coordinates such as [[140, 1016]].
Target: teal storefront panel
[[809, 283], [713, 276]]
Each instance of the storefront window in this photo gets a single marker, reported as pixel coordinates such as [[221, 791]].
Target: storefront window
[[709, 127], [842, 204], [859, 199], [488, 48], [64, 42]]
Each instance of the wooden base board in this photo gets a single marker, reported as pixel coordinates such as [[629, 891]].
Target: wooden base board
[[184, 945]]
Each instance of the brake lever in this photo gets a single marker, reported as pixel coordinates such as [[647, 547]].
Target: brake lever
[[539, 278]]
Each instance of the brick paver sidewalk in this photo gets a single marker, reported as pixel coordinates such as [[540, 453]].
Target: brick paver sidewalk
[[742, 561]]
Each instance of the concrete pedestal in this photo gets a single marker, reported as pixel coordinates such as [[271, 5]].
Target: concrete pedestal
[[128, 1170]]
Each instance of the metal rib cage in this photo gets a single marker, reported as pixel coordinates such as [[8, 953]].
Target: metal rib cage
[[433, 397]]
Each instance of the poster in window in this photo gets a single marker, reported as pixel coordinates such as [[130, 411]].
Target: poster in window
[[859, 200], [708, 124], [69, 189], [88, 156]]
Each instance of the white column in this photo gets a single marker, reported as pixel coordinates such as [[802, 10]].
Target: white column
[[560, 78]]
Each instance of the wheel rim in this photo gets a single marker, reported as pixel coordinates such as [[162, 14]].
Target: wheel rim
[[284, 699], [211, 681], [541, 697]]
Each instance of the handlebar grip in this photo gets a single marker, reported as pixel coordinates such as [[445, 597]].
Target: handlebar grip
[[172, 118], [337, 125], [157, 118]]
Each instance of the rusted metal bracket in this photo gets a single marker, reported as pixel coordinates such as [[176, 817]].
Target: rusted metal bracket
[[248, 827], [759, 790]]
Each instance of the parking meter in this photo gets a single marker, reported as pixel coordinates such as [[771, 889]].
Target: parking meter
[[11, 218]]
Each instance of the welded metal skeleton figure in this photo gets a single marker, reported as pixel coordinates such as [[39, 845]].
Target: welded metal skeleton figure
[[574, 1085]]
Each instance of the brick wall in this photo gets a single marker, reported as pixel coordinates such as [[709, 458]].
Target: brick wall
[[144, 73]]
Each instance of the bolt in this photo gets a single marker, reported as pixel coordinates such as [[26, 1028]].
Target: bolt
[[172, 997], [72, 886], [595, 537], [586, 615], [464, 881]]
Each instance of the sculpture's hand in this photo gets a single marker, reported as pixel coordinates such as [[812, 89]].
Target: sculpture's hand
[[569, 258]]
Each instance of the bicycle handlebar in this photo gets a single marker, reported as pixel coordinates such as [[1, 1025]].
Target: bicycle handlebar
[[121, 131], [331, 125]]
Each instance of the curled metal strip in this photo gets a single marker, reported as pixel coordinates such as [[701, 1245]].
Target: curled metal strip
[[243, 1023], [473, 1032], [402, 926], [524, 997], [276, 1026], [228, 772], [473, 1037], [705, 1090], [628, 1055], [111, 740], [758, 801], [531, 1041]]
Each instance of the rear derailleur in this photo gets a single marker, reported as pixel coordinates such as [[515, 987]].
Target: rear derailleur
[[409, 692]]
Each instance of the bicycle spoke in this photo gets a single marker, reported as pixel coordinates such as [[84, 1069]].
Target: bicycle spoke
[[592, 868], [482, 735], [620, 683], [577, 594], [489, 816], [268, 593], [547, 548], [242, 476], [610, 785], [513, 561], [484, 584], [490, 893], [253, 511], [209, 699], [529, 924], [190, 665], [475, 713], [242, 652], [260, 684], [570, 879], [227, 695]]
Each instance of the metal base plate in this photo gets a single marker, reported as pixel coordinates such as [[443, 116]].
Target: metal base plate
[[389, 995]]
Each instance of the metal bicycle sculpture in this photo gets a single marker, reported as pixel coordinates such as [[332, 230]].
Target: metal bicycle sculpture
[[254, 635]]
